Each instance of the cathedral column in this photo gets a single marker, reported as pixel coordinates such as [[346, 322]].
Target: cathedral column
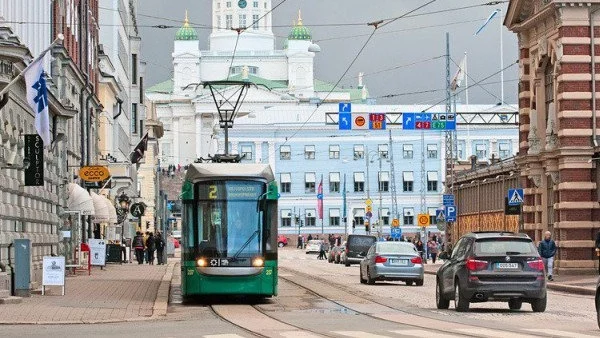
[[258, 152], [176, 153], [198, 120]]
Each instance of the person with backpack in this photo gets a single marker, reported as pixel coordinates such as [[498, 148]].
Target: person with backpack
[[150, 247], [160, 248], [138, 246]]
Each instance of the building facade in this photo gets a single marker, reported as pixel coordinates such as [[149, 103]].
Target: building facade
[[558, 142]]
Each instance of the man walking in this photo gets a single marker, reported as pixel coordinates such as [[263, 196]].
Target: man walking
[[547, 249], [160, 248], [138, 246]]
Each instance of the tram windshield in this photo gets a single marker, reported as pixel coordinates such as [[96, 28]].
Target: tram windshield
[[229, 219]]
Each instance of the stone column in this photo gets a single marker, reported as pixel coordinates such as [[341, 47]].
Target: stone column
[[176, 153]]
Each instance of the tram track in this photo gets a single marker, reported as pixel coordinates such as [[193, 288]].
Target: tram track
[[402, 316]]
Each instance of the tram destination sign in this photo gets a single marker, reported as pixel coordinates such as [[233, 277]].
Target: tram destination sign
[[231, 190]]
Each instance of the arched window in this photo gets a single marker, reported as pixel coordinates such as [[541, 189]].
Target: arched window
[[548, 88]]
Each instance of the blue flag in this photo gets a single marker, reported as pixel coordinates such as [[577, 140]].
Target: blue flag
[[37, 97]]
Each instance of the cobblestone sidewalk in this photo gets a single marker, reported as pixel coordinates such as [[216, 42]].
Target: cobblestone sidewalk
[[125, 292]]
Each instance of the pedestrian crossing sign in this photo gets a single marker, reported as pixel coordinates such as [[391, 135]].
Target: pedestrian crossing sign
[[515, 196], [440, 216]]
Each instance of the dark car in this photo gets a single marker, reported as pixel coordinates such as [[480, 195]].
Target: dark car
[[357, 247], [492, 266]]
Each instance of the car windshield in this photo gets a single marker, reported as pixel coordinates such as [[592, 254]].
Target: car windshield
[[504, 246], [229, 220], [396, 248], [361, 241]]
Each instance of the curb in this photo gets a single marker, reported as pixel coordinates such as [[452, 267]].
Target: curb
[[161, 303], [578, 290]]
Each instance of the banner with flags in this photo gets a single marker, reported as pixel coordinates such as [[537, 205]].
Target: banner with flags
[[138, 153], [37, 97], [459, 77], [494, 13], [320, 199]]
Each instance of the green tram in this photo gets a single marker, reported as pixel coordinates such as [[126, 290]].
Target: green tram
[[229, 230]]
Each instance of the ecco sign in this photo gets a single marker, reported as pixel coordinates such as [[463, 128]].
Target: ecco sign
[[94, 173]]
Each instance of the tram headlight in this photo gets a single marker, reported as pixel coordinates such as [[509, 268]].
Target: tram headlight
[[258, 262], [201, 262]]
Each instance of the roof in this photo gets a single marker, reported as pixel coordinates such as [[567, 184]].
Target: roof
[[494, 234], [300, 32], [202, 171], [162, 87], [325, 87], [186, 32]]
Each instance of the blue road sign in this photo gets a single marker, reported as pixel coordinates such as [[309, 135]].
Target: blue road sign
[[515, 196], [408, 121], [345, 107], [345, 121], [440, 215], [396, 232], [448, 199], [451, 213]]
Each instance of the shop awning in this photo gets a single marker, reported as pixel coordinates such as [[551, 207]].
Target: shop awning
[[78, 199], [112, 211], [101, 208]]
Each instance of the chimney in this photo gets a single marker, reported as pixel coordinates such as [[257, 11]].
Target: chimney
[[473, 162]]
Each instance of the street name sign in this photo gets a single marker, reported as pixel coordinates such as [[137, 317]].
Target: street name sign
[[448, 199]]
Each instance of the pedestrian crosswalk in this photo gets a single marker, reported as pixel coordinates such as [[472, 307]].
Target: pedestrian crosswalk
[[456, 333]]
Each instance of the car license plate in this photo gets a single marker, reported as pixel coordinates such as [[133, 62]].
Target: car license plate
[[399, 261], [508, 265]]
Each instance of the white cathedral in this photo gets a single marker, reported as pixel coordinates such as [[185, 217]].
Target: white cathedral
[[285, 78]]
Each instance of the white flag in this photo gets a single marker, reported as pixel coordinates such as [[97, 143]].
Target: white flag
[[459, 77], [37, 97]]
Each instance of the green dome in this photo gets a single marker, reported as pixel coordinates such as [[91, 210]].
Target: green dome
[[186, 32], [300, 32]]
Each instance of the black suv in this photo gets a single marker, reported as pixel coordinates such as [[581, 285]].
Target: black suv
[[357, 247], [492, 266]]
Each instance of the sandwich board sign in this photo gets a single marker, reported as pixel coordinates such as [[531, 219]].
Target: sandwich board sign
[[53, 273]]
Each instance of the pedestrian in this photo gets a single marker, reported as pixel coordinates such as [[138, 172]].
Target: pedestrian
[[138, 246], [160, 248], [547, 249], [151, 247], [432, 245], [309, 237], [146, 246], [321, 251], [300, 239], [420, 248]]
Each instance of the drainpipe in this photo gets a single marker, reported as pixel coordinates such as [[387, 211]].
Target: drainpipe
[[593, 53]]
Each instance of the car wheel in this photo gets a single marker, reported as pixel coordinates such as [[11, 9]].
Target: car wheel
[[539, 305], [419, 282], [346, 263], [441, 302], [598, 309], [515, 304], [409, 282], [370, 280], [281, 245], [362, 280], [460, 302]]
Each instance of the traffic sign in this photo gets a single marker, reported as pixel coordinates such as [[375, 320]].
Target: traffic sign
[[429, 121], [345, 107], [511, 209], [377, 121], [369, 214], [360, 121], [369, 202], [395, 222], [448, 200], [440, 215], [408, 121], [345, 121], [451, 213], [369, 208], [423, 220], [515, 196], [396, 232]]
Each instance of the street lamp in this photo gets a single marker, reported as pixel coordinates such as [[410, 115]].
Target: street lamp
[[122, 210]]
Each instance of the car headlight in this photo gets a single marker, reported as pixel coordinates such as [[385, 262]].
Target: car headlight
[[258, 262], [201, 262]]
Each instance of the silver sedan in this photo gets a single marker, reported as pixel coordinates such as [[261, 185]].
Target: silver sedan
[[392, 261]]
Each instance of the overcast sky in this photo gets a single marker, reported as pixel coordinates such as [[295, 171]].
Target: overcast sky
[[405, 41]]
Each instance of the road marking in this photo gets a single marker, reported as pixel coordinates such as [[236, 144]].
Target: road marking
[[559, 333], [359, 334], [423, 333], [229, 335], [302, 334], [493, 333]]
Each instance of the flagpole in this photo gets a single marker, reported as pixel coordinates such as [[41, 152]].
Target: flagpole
[[466, 80], [321, 211], [58, 39]]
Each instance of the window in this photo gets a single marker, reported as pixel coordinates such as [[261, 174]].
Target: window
[[141, 90], [432, 215], [228, 21], [228, 4], [334, 182], [409, 216], [384, 181], [385, 216], [218, 5], [359, 217], [255, 18], [432, 181], [309, 152], [359, 182], [285, 153], [481, 151], [285, 180], [309, 182], [334, 217], [247, 152], [432, 151], [134, 118], [218, 22], [383, 150], [408, 179], [460, 150], [334, 152], [141, 127], [265, 5], [407, 151], [311, 218], [359, 151], [134, 72], [286, 217], [255, 5], [504, 150], [242, 19]]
